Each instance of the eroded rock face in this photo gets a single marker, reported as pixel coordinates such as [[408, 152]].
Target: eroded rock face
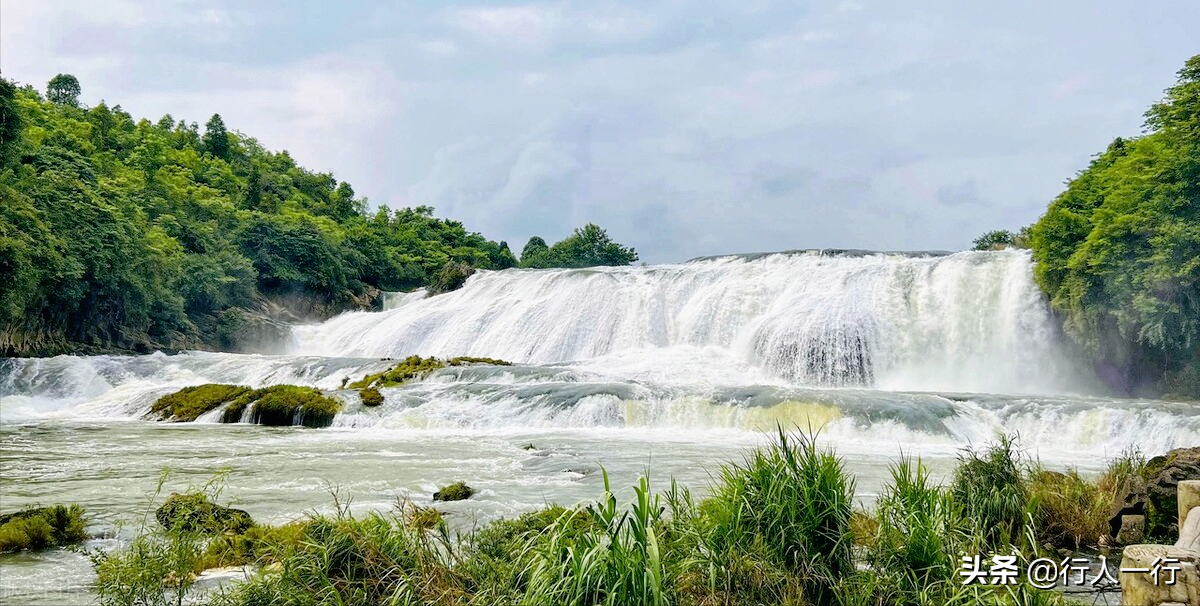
[[1130, 501], [1177, 465]]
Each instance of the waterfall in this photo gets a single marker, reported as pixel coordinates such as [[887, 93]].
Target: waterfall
[[970, 321]]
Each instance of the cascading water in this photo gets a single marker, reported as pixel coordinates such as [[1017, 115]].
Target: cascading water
[[674, 367], [963, 322]]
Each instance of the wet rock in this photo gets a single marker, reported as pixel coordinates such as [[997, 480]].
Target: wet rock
[[193, 512], [1130, 501], [458, 491], [1167, 472]]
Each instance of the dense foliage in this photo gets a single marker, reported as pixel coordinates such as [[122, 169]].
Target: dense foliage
[[588, 246], [1119, 250], [124, 234]]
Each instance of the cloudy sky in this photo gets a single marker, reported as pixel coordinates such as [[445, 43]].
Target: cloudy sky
[[686, 129]]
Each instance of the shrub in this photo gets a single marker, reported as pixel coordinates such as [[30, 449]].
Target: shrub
[[42, 528], [450, 277], [414, 367]]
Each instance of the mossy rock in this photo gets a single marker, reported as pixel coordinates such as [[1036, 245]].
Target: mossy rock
[[42, 528], [415, 367], [450, 277], [193, 512], [189, 403], [458, 491], [285, 405], [370, 396]]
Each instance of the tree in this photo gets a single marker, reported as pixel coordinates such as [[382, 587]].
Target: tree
[[10, 121], [216, 138], [64, 89], [1119, 251], [535, 253], [994, 240], [590, 246]]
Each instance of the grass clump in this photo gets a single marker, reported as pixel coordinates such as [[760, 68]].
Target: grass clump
[[415, 367], [990, 489], [458, 491], [42, 528], [284, 405], [194, 512], [189, 403], [370, 396]]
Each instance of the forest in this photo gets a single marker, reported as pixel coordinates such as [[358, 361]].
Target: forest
[[119, 234], [1118, 252]]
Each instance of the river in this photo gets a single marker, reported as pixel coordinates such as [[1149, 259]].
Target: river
[[666, 369]]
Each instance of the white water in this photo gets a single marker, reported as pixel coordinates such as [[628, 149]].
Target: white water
[[674, 368]]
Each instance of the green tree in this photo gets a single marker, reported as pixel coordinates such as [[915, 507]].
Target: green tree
[[1119, 250], [590, 246], [535, 253], [216, 138], [64, 89], [10, 122]]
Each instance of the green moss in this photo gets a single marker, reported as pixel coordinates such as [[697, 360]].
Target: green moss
[[189, 403], [284, 405], [414, 367], [193, 512], [458, 491], [42, 528], [371, 396]]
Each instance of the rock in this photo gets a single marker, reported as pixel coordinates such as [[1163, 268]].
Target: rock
[[1187, 495], [1189, 532], [1131, 500], [1139, 589], [193, 512], [1133, 530], [458, 491], [1178, 465]]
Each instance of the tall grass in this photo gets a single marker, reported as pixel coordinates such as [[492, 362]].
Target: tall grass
[[990, 489]]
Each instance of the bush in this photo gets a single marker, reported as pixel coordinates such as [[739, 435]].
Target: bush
[[450, 277], [42, 528], [370, 396], [414, 367]]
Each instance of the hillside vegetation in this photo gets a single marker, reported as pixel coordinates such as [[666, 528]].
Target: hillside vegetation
[[124, 234]]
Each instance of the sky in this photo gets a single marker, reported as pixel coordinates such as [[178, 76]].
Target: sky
[[683, 128]]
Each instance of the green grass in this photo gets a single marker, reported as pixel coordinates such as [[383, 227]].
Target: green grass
[[776, 528], [42, 528], [370, 396], [458, 491], [990, 488]]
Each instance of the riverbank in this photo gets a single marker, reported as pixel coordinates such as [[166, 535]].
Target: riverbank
[[778, 526]]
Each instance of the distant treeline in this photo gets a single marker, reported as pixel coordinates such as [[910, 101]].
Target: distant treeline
[[1118, 252], [118, 234]]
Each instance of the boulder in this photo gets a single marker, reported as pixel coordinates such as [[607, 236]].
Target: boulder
[[193, 512], [1130, 501], [458, 491], [1133, 530], [1187, 495], [1167, 472], [1189, 531], [1140, 589]]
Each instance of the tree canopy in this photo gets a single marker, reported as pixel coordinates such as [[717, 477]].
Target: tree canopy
[[587, 246], [118, 233], [1119, 251]]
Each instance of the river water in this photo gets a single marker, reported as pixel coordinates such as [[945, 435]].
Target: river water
[[670, 370]]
